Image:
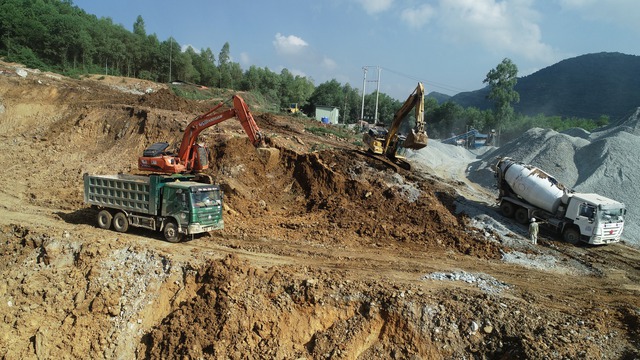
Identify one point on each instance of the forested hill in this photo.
(585, 86)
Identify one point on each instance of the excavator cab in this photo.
(397, 149)
(201, 158)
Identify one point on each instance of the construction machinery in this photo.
(528, 192)
(389, 142)
(177, 204)
(471, 139)
(193, 157)
(292, 109)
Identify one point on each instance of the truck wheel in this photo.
(507, 209)
(522, 215)
(571, 235)
(104, 219)
(171, 233)
(120, 222)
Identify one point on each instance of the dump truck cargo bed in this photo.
(126, 192)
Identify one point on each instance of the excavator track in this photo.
(394, 165)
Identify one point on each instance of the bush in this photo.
(26, 57)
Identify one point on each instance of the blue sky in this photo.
(450, 45)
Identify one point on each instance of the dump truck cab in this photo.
(194, 207)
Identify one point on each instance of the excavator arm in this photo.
(191, 157)
(417, 139)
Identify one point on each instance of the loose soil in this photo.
(326, 253)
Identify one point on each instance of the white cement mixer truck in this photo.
(528, 192)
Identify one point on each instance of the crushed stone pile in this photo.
(603, 162)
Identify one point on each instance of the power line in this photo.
(431, 83)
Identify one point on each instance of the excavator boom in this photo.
(191, 157)
(417, 138)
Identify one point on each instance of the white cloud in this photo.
(289, 45)
(185, 47)
(625, 13)
(245, 59)
(501, 26)
(298, 54)
(373, 7)
(329, 64)
(577, 3)
(419, 16)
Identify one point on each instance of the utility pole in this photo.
(364, 82)
(170, 53)
(378, 92)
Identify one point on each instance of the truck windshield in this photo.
(205, 198)
(611, 215)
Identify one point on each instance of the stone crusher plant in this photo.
(528, 192)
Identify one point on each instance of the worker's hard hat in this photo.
(533, 219)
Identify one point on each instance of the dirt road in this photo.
(324, 255)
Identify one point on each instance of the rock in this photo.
(488, 329)
(474, 327)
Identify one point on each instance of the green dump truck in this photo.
(177, 205)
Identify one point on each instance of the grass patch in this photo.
(325, 130)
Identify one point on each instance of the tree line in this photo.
(56, 35)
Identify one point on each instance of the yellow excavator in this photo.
(390, 143)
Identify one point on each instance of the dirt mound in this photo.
(280, 314)
(165, 99)
(342, 196)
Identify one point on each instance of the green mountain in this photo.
(586, 86)
(440, 97)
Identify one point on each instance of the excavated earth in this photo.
(326, 253)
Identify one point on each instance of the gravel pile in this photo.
(486, 283)
(603, 162)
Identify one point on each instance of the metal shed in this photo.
(331, 113)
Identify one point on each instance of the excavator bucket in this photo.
(416, 140)
(270, 157)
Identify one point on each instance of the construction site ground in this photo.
(326, 253)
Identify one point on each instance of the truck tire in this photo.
(171, 233)
(571, 235)
(104, 219)
(522, 215)
(508, 209)
(120, 222)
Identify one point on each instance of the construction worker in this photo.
(533, 231)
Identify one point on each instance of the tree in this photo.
(205, 65)
(387, 107)
(502, 81)
(138, 27)
(224, 67)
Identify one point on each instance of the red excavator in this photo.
(192, 157)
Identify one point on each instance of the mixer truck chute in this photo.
(528, 192)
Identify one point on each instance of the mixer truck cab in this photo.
(600, 220)
(528, 192)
